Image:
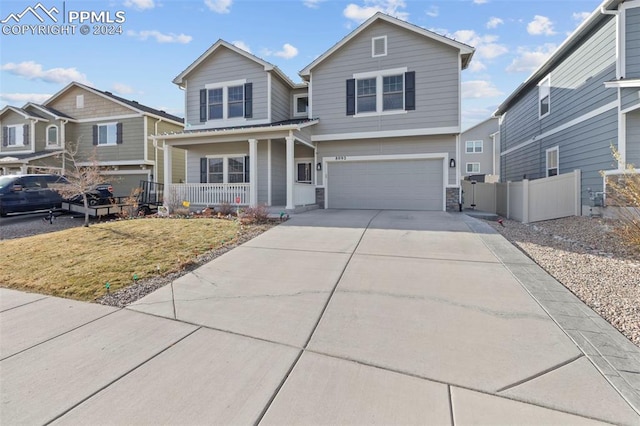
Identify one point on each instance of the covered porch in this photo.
(270, 164)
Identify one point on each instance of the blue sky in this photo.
(160, 38)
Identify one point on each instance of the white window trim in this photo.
(373, 46)
(546, 160)
(295, 105)
(305, 161)
(378, 75)
(466, 167)
(225, 166)
(19, 135)
(544, 90)
(115, 142)
(57, 142)
(473, 147)
(225, 85)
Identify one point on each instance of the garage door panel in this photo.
(388, 184)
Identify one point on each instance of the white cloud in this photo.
(479, 89)
(160, 37)
(579, 17)
(494, 22)
(23, 98)
(34, 71)
(219, 6)
(480, 1)
(530, 60)
(312, 4)
(486, 45)
(242, 45)
(122, 89)
(140, 4)
(362, 13)
(476, 65)
(541, 25)
(287, 52)
(433, 11)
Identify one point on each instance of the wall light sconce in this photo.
(319, 166)
(452, 163)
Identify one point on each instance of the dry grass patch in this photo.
(77, 263)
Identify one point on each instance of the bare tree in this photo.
(80, 178)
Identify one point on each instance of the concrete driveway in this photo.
(334, 317)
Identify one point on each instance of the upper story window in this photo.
(107, 134)
(553, 161)
(473, 147)
(379, 46)
(16, 135)
(301, 105)
(232, 99)
(52, 135)
(544, 97)
(364, 96)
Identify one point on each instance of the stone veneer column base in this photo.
(320, 197)
(453, 199)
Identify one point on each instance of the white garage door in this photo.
(389, 184)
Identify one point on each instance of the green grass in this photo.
(77, 263)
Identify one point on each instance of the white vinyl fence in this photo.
(528, 200)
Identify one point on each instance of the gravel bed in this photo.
(130, 294)
(588, 258)
(33, 224)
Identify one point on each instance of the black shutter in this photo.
(95, 134)
(5, 136)
(203, 170)
(203, 105)
(410, 90)
(247, 164)
(119, 139)
(248, 100)
(351, 96)
(25, 134)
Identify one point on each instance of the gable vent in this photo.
(379, 46)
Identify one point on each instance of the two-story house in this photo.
(115, 129)
(480, 151)
(582, 101)
(374, 125)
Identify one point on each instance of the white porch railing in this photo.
(209, 194)
(304, 194)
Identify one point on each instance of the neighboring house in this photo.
(582, 101)
(375, 124)
(116, 129)
(480, 151)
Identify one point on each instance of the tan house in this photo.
(118, 130)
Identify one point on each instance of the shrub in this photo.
(257, 214)
(225, 209)
(130, 207)
(623, 191)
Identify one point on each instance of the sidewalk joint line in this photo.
(24, 304)
(542, 373)
(453, 420)
(126, 373)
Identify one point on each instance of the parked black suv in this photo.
(23, 193)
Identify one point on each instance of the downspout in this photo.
(155, 150)
(63, 143)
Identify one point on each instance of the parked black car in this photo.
(24, 193)
(100, 195)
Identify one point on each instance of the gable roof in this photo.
(47, 110)
(465, 50)
(179, 80)
(596, 17)
(133, 105)
(24, 113)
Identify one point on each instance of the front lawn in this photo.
(77, 263)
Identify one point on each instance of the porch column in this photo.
(290, 177)
(253, 172)
(167, 169)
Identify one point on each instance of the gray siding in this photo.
(390, 146)
(481, 132)
(586, 146)
(278, 173)
(263, 172)
(280, 100)
(437, 82)
(630, 97)
(226, 65)
(576, 88)
(633, 138)
(633, 43)
(131, 149)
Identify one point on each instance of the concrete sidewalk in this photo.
(334, 317)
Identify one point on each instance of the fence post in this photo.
(525, 201)
(578, 177)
